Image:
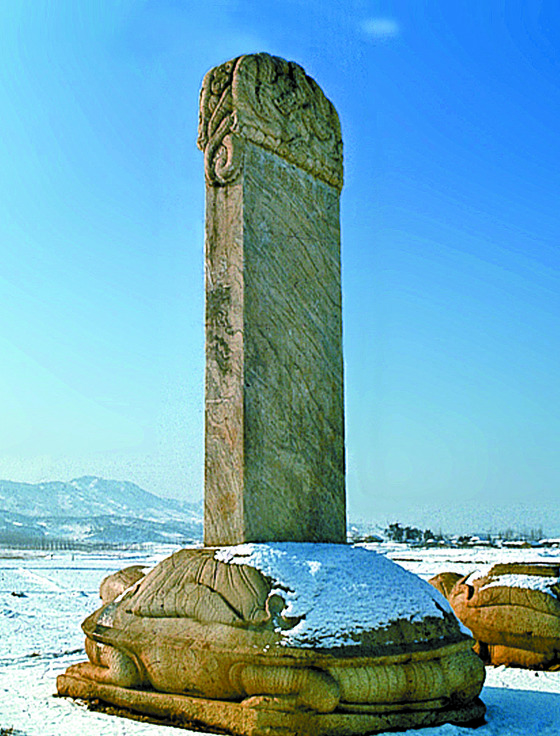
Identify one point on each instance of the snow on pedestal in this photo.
(337, 591)
(319, 638)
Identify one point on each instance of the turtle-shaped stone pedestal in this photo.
(277, 639)
(513, 612)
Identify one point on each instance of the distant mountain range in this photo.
(93, 510)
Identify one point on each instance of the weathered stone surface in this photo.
(198, 627)
(244, 720)
(274, 467)
(513, 612)
(272, 103)
(445, 581)
(113, 585)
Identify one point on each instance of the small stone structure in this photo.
(289, 630)
(513, 612)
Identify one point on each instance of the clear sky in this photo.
(450, 114)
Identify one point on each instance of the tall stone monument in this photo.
(274, 467)
(287, 630)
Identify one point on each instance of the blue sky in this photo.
(450, 236)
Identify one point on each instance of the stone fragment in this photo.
(513, 612)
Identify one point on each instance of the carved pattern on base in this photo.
(198, 626)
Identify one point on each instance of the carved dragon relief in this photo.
(273, 104)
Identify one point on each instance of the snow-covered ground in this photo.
(44, 597)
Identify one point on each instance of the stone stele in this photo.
(289, 631)
(274, 459)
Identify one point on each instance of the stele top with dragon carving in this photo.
(273, 104)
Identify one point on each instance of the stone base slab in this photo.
(242, 720)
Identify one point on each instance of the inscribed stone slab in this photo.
(274, 457)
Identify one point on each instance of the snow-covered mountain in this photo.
(91, 509)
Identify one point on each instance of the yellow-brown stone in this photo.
(206, 630)
(513, 612)
(241, 720)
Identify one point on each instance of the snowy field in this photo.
(44, 597)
